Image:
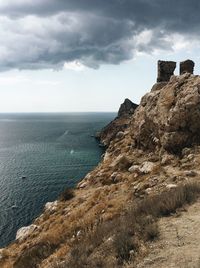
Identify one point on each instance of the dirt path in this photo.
(179, 242)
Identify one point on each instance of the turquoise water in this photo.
(53, 151)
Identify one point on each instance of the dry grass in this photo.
(139, 223)
(168, 202)
(114, 237)
(33, 256)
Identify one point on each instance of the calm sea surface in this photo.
(53, 151)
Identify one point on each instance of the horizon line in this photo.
(59, 112)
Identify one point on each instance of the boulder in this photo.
(120, 135)
(2, 250)
(82, 184)
(171, 186)
(51, 206)
(147, 167)
(23, 232)
(134, 168)
(121, 162)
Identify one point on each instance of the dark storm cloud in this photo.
(45, 34)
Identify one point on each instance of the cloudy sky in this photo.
(88, 55)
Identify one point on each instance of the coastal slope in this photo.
(116, 215)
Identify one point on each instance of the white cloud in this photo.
(74, 66)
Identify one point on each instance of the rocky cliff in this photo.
(119, 124)
(115, 216)
(168, 117)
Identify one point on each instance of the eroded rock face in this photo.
(119, 124)
(127, 108)
(169, 118)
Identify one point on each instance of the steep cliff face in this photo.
(153, 153)
(169, 117)
(119, 124)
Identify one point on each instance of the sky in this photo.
(89, 55)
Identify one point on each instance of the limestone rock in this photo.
(121, 162)
(106, 156)
(186, 151)
(147, 167)
(119, 124)
(158, 86)
(190, 157)
(2, 250)
(120, 135)
(23, 232)
(127, 107)
(134, 168)
(169, 118)
(51, 206)
(166, 159)
(82, 184)
(171, 186)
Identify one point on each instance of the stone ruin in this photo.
(166, 69)
(187, 67)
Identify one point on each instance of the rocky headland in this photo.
(137, 207)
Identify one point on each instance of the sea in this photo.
(40, 156)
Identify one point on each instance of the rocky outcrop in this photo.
(127, 108)
(119, 124)
(23, 232)
(51, 206)
(169, 118)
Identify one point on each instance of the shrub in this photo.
(32, 256)
(123, 244)
(67, 194)
(151, 231)
(168, 202)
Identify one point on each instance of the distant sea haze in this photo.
(51, 152)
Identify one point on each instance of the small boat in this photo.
(23, 177)
(72, 151)
(14, 206)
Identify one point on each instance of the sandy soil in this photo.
(179, 242)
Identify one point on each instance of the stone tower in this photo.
(165, 70)
(187, 66)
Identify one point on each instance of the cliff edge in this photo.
(119, 124)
